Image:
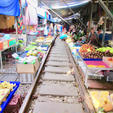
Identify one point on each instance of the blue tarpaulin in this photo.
(10, 7)
(63, 36)
(41, 16)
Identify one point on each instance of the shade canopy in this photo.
(10, 7)
(56, 4)
(62, 7)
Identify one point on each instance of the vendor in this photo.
(64, 35)
(93, 38)
(46, 30)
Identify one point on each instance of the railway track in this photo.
(57, 87)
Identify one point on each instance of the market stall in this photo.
(95, 67)
(28, 62)
(8, 14)
(6, 42)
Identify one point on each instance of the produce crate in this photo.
(27, 68)
(4, 104)
(27, 72)
(26, 78)
(11, 42)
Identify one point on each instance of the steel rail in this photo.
(28, 96)
(77, 78)
(87, 103)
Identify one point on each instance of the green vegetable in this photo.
(25, 62)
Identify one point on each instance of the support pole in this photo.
(81, 22)
(108, 12)
(16, 32)
(104, 30)
(105, 21)
(91, 13)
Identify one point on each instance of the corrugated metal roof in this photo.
(62, 6)
(56, 4)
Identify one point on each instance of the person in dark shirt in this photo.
(93, 38)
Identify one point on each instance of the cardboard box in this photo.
(28, 68)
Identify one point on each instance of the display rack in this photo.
(27, 77)
(88, 70)
(1, 62)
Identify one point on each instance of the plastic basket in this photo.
(4, 104)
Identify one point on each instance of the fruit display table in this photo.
(29, 61)
(94, 66)
(7, 90)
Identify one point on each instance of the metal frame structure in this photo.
(105, 24)
(107, 11)
(74, 13)
(1, 62)
(55, 13)
(105, 8)
(91, 15)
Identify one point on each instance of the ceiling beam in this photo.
(56, 13)
(96, 1)
(105, 8)
(74, 13)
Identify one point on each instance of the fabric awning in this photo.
(10, 7)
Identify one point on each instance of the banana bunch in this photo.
(7, 85)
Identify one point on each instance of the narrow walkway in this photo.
(58, 92)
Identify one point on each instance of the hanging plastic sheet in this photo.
(30, 17)
(10, 7)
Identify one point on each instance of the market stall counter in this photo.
(94, 66)
(6, 42)
(29, 61)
